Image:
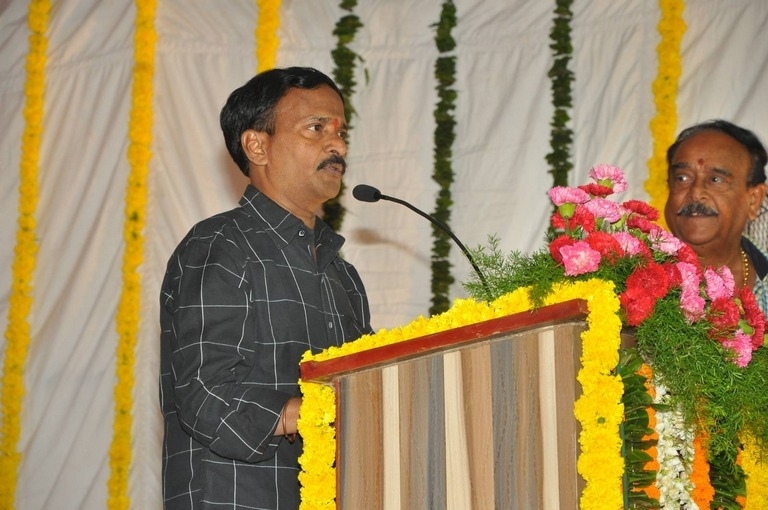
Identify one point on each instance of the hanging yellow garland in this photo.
(128, 313)
(17, 331)
(599, 409)
(267, 41)
(664, 124)
(756, 468)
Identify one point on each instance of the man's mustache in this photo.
(696, 209)
(334, 160)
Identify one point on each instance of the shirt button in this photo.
(301, 233)
(330, 325)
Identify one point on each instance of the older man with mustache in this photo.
(716, 184)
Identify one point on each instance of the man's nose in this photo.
(337, 146)
(698, 190)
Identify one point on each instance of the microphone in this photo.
(366, 193)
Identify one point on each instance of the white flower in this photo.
(675, 457)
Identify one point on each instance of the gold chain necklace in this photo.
(744, 267)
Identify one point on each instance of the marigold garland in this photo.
(267, 40)
(703, 492)
(663, 125)
(17, 331)
(128, 312)
(756, 467)
(599, 409)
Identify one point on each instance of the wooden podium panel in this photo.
(479, 417)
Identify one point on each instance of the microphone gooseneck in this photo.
(366, 193)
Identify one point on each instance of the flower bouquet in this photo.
(699, 336)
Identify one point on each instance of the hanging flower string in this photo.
(561, 135)
(703, 492)
(344, 58)
(652, 437)
(443, 175)
(267, 41)
(128, 312)
(754, 463)
(17, 331)
(663, 125)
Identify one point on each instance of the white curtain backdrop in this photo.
(204, 50)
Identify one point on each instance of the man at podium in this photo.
(247, 292)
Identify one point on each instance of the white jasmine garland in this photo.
(675, 456)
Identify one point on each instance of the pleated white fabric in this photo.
(206, 49)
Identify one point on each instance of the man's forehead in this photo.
(321, 103)
(711, 146)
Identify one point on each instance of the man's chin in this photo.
(696, 237)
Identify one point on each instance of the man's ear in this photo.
(254, 146)
(756, 196)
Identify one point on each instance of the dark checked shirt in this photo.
(244, 296)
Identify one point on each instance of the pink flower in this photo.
(563, 195)
(686, 254)
(690, 299)
(605, 209)
(579, 258)
(610, 176)
(719, 283)
(629, 243)
(741, 346)
(663, 241)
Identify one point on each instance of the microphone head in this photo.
(366, 193)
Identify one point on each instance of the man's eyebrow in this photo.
(722, 171)
(326, 120)
(679, 165)
(683, 165)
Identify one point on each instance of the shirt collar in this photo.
(283, 226)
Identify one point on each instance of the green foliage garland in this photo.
(445, 74)
(635, 432)
(561, 136)
(344, 75)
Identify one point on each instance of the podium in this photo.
(478, 417)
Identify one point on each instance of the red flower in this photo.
(605, 244)
(641, 223)
(637, 304)
(723, 316)
(581, 218)
(686, 254)
(556, 244)
(596, 190)
(673, 274)
(753, 315)
(644, 286)
(642, 208)
(557, 221)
